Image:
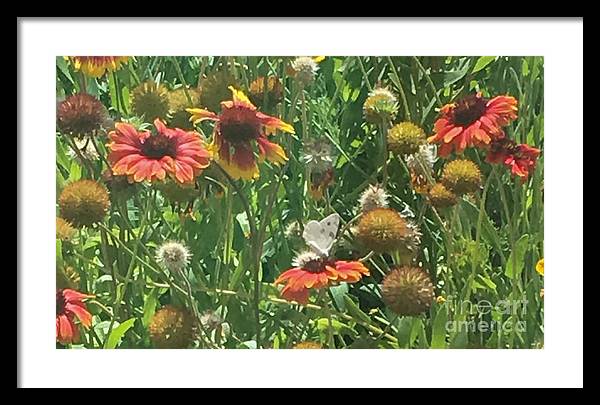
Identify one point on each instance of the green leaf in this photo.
(454, 76)
(438, 333)
(517, 257)
(482, 63)
(75, 172)
(404, 331)
(150, 306)
(355, 311)
(338, 327)
(339, 292)
(117, 333)
(59, 250)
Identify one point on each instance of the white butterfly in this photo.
(320, 235)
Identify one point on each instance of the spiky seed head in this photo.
(405, 138)
(408, 291)
(440, 197)
(171, 328)
(461, 176)
(84, 202)
(150, 101)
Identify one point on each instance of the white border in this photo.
(559, 364)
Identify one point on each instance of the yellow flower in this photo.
(539, 267)
(96, 66)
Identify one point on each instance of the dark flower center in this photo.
(469, 109)
(504, 145)
(158, 146)
(318, 265)
(239, 125)
(60, 303)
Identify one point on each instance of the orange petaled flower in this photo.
(240, 129)
(142, 155)
(313, 271)
(521, 158)
(69, 305)
(472, 121)
(96, 66)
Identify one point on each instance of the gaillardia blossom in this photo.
(520, 159)
(472, 121)
(239, 130)
(142, 155)
(313, 271)
(96, 66)
(69, 305)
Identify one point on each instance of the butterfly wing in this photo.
(321, 235)
(314, 236)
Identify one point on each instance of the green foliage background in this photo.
(484, 255)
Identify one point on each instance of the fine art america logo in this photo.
(485, 316)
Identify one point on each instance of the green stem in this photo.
(182, 80)
(364, 72)
(429, 82)
(120, 294)
(400, 89)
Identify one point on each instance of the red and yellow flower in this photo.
(520, 158)
(313, 271)
(472, 121)
(240, 135)
(69, 306)
(96, 66)
(142, 155)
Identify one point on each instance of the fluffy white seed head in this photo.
(373, 197)
(173, 255)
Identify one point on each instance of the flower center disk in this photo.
(469, 110)
(158, 146)
(239, 125)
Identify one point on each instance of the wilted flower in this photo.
(80, 114)
(520, 159)
(408, 291)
